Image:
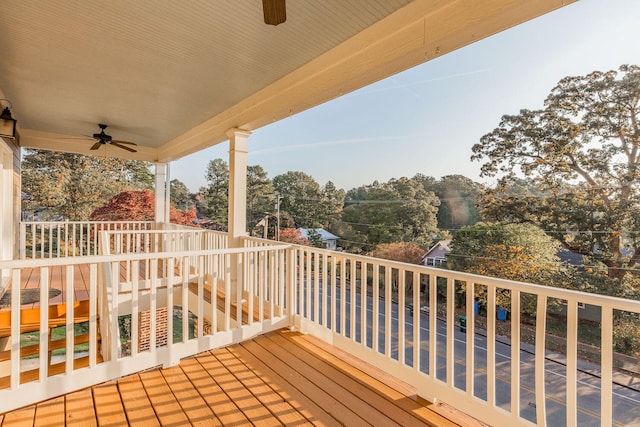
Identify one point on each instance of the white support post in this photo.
(10, 211)
(237, 222)
(237, 185)
(162, 187)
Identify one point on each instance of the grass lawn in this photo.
(33, 338)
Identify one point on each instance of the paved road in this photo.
(626, 400)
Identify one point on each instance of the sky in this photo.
(426, 119)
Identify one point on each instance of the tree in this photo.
(291, 235)
(403, 252)
(399, 251)
(180, 195)
(215, 194)
(398, 211)
(138, 206)
(305, 201)
(332, 203)
(583, 151)
(71, 186)
(520, 252)
(260, 195)
(315, 238)
(459, 200)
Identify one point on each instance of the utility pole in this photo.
(278, 198)
(266, 226)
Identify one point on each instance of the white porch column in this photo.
(10, 206)
(237, 185)
(162, 187)
(237, 221)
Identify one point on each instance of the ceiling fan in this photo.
(102, 139)
(275, 11)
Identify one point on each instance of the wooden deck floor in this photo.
(282, 378)
(30, 279)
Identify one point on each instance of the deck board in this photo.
(243, 398)
(79, 409)
(223, 406)
(50, 413)
(108, 405)
(162, 400)
(279, 407)
(382, 383)
(20, 418)
(360, 391)
(330, 403)
(324, 377)
(57, 281)
(136, 401)
(281, 378)
(313, 411)
(193, 405)
(30, 279)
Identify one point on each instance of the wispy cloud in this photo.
(421, 82)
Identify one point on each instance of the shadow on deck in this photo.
(281, 378)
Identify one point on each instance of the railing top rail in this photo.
(551, 292)
(86, 222)
(136, 256)
(271, 242)
(194, 230)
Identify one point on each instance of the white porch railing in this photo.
(186, 283)
(365, 306)
(55, 239)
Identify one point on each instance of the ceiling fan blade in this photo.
(96, 145)
(275, 11)
(124, 142)
(124, 147)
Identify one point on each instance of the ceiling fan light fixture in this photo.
(275, 11)
(103, 139)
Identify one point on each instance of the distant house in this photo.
(329, 241)
(437, 255)
(571, 259)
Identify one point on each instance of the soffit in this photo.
(175, 76)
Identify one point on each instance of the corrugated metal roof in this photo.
(324, 234)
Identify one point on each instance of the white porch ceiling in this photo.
(173, 77)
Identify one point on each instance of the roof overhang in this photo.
(176, 80)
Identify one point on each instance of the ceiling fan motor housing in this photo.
(102, 137)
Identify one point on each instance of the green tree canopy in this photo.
(459, 200)
(260, 195)
(69, 185)
(521, 252)
(306, 202)
(180, 195)
(215, 195)
(398, 211)
(582, 151)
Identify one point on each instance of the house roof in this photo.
(175, 80)
(440, 248)
(324, 234)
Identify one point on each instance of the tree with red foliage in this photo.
(399, 251)
(403, 252)
(138, 206)
(291, 235)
